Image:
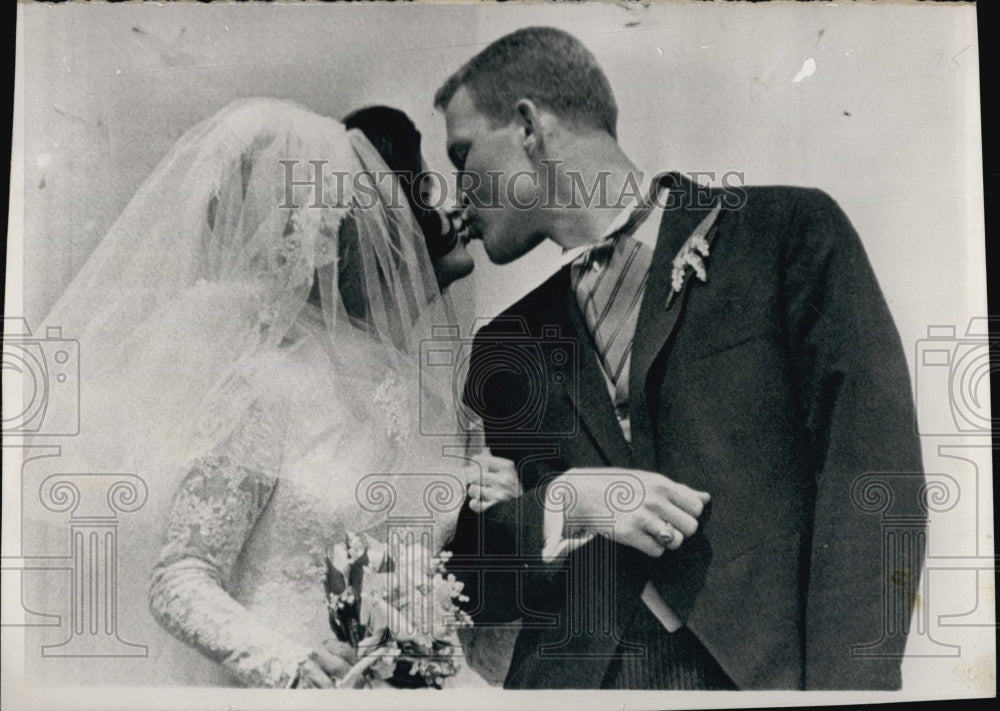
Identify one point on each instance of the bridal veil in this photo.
(270, 262)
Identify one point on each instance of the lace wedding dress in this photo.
(240, 575)
(251, 348)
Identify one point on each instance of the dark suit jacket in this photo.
(776, 386)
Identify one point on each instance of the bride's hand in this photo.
(325, 665)
(493, 481)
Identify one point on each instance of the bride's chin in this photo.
(455, 265)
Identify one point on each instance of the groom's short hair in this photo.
(546, 65)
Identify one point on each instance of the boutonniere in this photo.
(691, 256)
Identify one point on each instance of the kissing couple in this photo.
(677, 512)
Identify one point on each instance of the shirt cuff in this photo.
(556, 544)
(661, 611)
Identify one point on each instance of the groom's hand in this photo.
(491, 480)
(644, 510)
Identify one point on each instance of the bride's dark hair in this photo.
(397, 140)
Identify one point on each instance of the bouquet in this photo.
(398, 611)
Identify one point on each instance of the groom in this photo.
(691, 402)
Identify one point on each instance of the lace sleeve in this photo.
(214, 511)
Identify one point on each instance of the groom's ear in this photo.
(527, 116)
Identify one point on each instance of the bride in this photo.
(256, 315)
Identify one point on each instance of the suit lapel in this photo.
(583, 386)
(657, 321)
(586, 389)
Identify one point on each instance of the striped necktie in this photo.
(609, 280)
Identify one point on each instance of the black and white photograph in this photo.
(450, 355)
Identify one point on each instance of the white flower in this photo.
(677, 275)
(698, 242)
(699, 266)
(408, 612)
(692, 254)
